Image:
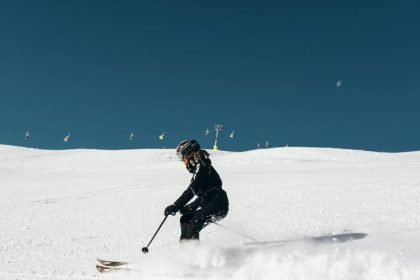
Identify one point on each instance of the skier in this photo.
(211, 203)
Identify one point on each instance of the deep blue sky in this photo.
(266, 69)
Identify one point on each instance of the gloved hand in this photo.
(171, 210)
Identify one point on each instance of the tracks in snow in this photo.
(91, 194)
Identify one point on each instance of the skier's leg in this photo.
(192, 223)
(184, 222)
(202, 217)
(193, 227)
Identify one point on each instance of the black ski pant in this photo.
(214, 210)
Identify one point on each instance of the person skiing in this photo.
(211, 203)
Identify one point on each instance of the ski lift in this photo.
(27, 135)
(131, 137)
(162, 136)
(218, 128)
(207, 132)
(67, 138)
(232, 134)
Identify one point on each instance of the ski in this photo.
(104, 266)
(104, 269)
(110, 263)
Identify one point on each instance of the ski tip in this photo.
(110, 262)
(101, 268)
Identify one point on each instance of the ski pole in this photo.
(234, 231)
(146, 249)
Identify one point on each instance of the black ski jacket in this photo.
(205, 184)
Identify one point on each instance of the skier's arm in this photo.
(184, 198)
(199, 178)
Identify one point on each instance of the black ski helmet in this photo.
(186, 148)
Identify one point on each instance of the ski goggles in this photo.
(180, 155)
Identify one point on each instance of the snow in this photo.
(60, 210)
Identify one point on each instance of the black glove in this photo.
(171, 210)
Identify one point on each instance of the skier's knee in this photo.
(190, 230)
(186, 218)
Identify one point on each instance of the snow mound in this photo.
(60, 210)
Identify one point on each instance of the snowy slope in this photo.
(62, 209)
